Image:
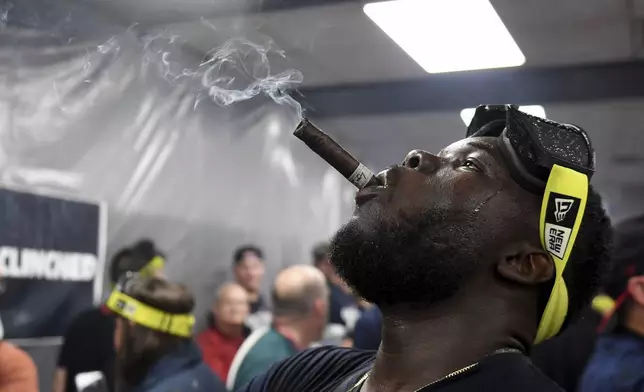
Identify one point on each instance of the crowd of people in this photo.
(490, 266)
(244, 335)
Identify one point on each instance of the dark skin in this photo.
(498, 307)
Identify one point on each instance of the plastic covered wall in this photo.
(118, 117)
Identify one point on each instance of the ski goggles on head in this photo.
(131, 309)
(152, 267)
(550, 159)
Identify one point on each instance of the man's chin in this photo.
(404, 260)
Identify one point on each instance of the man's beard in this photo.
(414, 259)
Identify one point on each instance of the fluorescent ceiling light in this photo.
(448, 35)
(535, 110)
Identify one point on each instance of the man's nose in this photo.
(421, 161)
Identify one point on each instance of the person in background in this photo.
(344, 308)
(368, 330)
(87, 344)
(152, 338)
(17, 370)
(617, 365)
(300, 309)
(226, 332)
(564, 358)
(249, 272)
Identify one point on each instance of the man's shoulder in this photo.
(513, 372)
(89, 317)
(17, 369)
(330, 357)
(312, 369)
(197, 379)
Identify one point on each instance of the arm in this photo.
(60, 380)
(17, 370)
(252, 368)
(65, 357)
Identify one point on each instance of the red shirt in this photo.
(218, 350)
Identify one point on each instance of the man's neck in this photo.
(252, 296)
(296, 332)
(420, 348)
(229, 330)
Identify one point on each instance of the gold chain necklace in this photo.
(462, 370)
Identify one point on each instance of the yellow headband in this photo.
(152, 267)
(147, 316)
(562, 211)
(603, 304)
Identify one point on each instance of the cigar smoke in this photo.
(336, 156)
(236, 71)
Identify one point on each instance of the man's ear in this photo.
(525, 264)
(636, 289)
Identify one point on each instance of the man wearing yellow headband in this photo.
(153, 338)
(88, 340)
(469, 255)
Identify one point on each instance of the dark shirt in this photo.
(617, 364)
(257, 306)
(181, 371)
(338, 300)
(368, 330)
(88, 346)
(336, 369)
(218, 350)
(564, 357)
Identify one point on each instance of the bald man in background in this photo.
(300, 313)
(226, 330)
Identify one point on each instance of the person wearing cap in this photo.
(617, 365)
(472, 255)
(88, 341)
(153, 338)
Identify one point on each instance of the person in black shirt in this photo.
(88, 344)
(449, 248)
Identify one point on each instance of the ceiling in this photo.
(337, 44)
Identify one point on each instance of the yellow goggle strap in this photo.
(152, 267)
(142, 314)
(562, 210)
(603, 304)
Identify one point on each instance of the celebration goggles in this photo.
(131, 309)
(150, 269)
(550, 159)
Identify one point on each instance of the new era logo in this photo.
(562, 206)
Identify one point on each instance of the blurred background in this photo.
(171, 114)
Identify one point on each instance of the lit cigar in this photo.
(336, 156)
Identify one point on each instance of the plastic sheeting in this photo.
(133, 121)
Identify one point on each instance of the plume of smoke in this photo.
(234, 72)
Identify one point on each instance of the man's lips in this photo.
(368, 193)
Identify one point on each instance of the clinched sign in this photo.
(51, 252)
(562, 210)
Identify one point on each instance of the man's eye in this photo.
(470, 164)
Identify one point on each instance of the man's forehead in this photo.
(487, 144)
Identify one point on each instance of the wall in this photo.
(114, 118)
